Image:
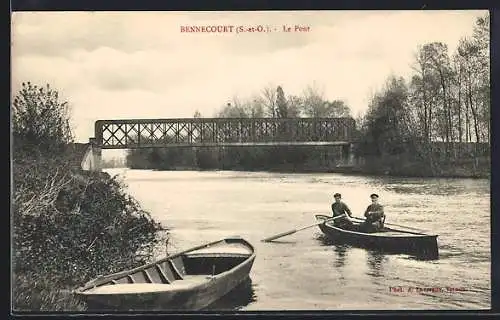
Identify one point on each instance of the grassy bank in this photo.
(407, 166)
(69, 227)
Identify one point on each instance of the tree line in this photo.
(439, 118)
(436, 122)
(271, 102)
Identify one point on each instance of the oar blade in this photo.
(279, 235)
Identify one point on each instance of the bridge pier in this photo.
(348, 155)
(351, 159)
(92, 160)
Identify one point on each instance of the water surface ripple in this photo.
(304, 271)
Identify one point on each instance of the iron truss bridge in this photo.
(191, 132)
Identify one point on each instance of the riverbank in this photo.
(69, 227)
(449, 172)
(311, 160)
(407, 166)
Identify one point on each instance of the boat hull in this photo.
(206, 288)
(419, 245)
(195, 299)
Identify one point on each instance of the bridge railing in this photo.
(139, 133)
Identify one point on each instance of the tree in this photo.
(314, 102)
(437, 53)
(295, 105)
(426, 84)
(481, 38)
(233, 110)
(385, 129)
(40, 122)
(268, 100)
(281, 103)
(337, 109)
(471, 63)
(253, 107)
(316, 106)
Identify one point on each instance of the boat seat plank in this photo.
(148, 276)
(122, 280)
(162, 275)
(153, 275)
(228, 249)
(139, 277)
(178, 264)
(178, 273)
(386, 233)
(130, 278)
(168, 271)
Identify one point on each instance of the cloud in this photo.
(59, 34)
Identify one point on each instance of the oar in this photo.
(392, 224)
(297, 230)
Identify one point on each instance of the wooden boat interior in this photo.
(183, 269)
(386, 231)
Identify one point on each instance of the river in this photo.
(304, 272)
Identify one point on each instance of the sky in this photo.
(119, 65)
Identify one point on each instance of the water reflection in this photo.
(340, 255)
(375, 261)
(424, 257)
(375, 255)
(239, 297)
(324, 240)
(340, 251)
(429, 186)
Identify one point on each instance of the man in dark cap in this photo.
(340, 208)
(374, 215)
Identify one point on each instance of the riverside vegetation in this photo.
(435, 123)
(69, 226)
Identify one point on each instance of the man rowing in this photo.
(374, 215)
(339, 208)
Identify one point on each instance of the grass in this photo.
(69, 227)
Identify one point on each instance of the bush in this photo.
(69, 226)
(40, 122)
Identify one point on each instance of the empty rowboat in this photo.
(189, 280)
(388, 240)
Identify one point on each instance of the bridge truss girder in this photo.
(190, 132)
